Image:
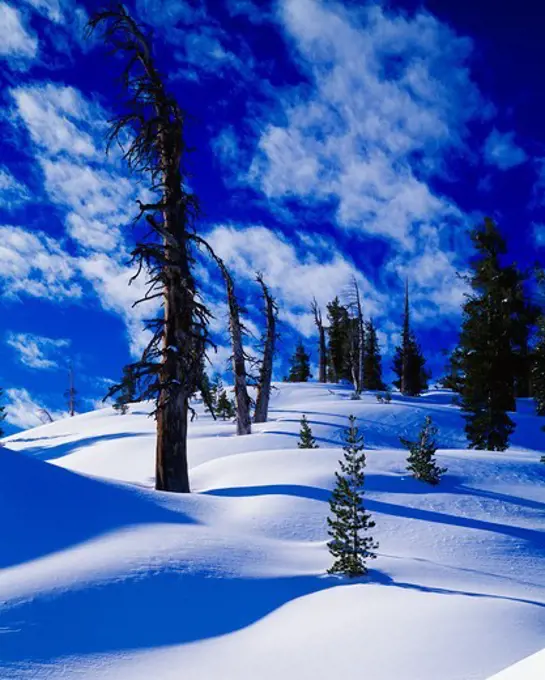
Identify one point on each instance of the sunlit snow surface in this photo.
(102, 577)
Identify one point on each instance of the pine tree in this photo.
(339, 333)
(538, 355)
(538, 369)
(349, 545)
(372, 361)
(225, 407)
(488, 342)
(453, 378)
(306, 439)
(127, 392)
(2, 413)
(421, 460)
(409, 362)
(299, 365)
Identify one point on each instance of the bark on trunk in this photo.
(242, 400)
(265, 374)
(322, 348)
(361, 340)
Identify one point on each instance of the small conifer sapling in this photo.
(225, 408)
(306, 439)
(348, 523)
(421, 460)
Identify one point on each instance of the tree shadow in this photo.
(379, 577)
(533, 536)
(51, 509)
(147, 610)
(61, 450)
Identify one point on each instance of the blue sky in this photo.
(331, 140)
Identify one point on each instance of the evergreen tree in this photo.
(306, 439)
(225, 407)
(372, 361)
(127, 392)
(339, 333)
(538, 356)
(2, 413)
(453, 378)
(348, 522)
(300, 365)
(421, 460)
(488, 342)
(409, 362)
(538, 369)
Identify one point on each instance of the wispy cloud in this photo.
(49, 8)
(17, 44)
(37, 351)
(318, 270)
(36, 265)
(12, 192)
(387, 96)
(501, 150)
(24, 411)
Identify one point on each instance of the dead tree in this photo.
(151, 134)
(71, 393)
(238, 358)
(269, 342)
(360, 335)
(322, 348)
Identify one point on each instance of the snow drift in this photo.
(102, 577)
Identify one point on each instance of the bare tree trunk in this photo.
(322, 348)
(361, 339)
(151, 134)
(71, 392)
(265, 374)
(238, 359)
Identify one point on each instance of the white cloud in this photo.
(24, 411)
(58, 118)
(110, 280)
(539, 234)
(96, 194)
(16, 43)
(321, 272)
(12, 192)
(36, 351)
(388, 96)
(501, 150)
(36, 265)
(50, 8)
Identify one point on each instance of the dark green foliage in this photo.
(2, 413)
(538, 369)
(538, 356)
(306, 440)
(421, 461)
(348, 521)
(453, 378)
(127, 392)
(384, 398)
(488, 342)
(372, 360)
(409, 362)
(340, 341)
(299, 365)
(224, 407)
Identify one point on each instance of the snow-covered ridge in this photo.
(102, 577)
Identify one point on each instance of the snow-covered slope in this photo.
(102, 577)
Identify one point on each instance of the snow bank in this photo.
(105, 578)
